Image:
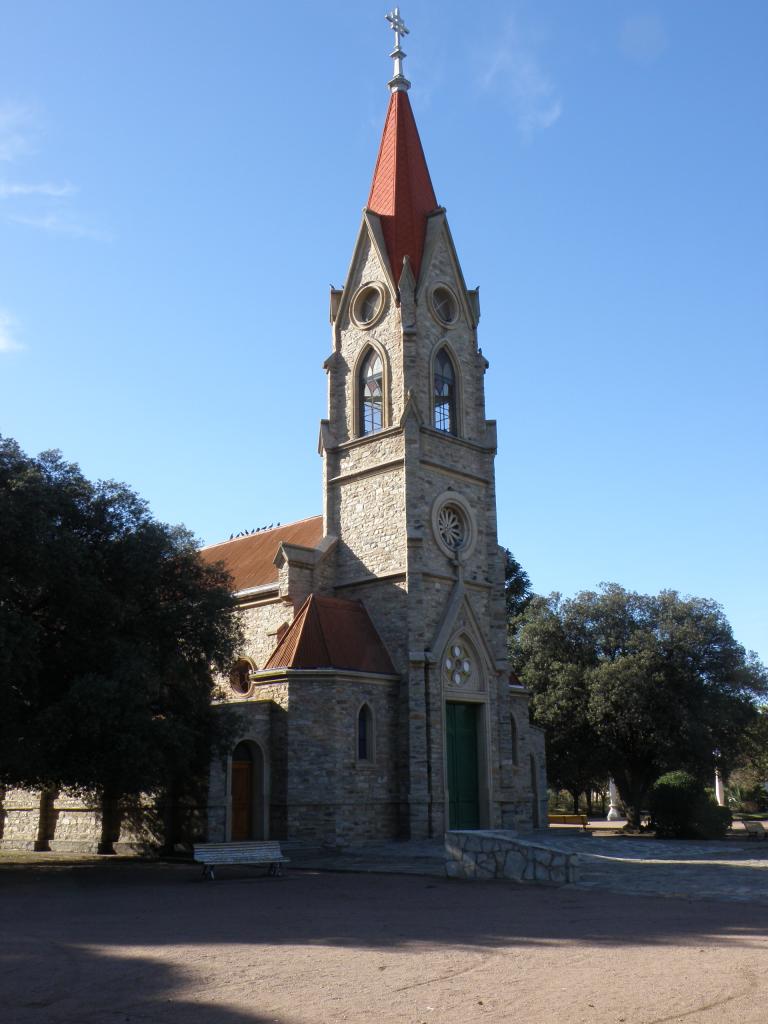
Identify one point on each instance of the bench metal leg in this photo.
(208, 872)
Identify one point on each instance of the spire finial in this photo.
(399, 83)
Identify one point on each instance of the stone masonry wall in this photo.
(261, 623)
(371, 511)
(498, 854)
(35, 820)
(20, 814)
(332, 797)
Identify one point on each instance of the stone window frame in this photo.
(474, 687)
(371, 345)
(458, 400)
(451, 497)
(370, 759)
(240, 660)
(357, 298)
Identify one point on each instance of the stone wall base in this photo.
(500, 854)
(73, 846)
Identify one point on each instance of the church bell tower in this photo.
(409, 494)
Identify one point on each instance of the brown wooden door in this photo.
(242, 800)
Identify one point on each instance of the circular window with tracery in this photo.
(367, 305)
(457, 666)
(444, 305)
(452, 527)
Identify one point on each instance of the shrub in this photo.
(682, 809)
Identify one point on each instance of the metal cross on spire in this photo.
(399, 83)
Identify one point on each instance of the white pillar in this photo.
(614, 814)
(719, 790)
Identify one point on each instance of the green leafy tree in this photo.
(111, 627)
(517, 586)
(661, 681)
(551, 654)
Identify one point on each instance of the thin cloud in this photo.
(16, 130)
(48, 198)
(10, 189)
(643, 38)
(514, 72)
(58, 225)
(8, 340)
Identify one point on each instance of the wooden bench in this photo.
(755, 829)
(569, 819)
(212, 855)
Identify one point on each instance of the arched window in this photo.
(365, 734)
(444, 393)
(515, 740)
(371, 390)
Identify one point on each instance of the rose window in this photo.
(451, 527)
(457, 665)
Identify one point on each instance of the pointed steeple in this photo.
(401, 191)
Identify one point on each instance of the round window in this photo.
(444, 305)
(452, 527)
(240, 676)
(367, 305)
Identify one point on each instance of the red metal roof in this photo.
(330, 632)
(401, 192)
(250, 560)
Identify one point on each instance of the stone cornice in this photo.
(380, 467)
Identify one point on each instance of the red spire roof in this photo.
(401, 192)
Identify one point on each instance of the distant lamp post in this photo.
(719, 789)
(614, 814)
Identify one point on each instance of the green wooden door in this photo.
(463, 799)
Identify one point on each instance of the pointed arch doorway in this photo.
(247, 792)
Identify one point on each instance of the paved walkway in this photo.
(733, 869)
(726, 870)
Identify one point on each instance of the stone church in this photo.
(373, 693)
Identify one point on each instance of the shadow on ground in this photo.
(79, 929)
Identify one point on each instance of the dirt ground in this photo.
(127, 941)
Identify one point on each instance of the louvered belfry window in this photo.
(371, 394)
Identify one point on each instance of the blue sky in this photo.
(181, 182)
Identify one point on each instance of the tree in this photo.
(111, 627)
(517, 586)
(659, 681)
(550, 656)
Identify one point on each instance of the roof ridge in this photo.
(260, 533)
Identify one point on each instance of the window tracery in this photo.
(371, 390)
(457, 666)
(444, 385)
